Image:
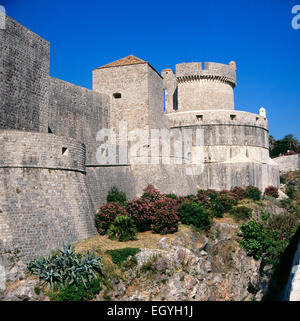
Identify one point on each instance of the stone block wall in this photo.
(208, 88)
(131, 82)
(78, 113)
(170, 87)
(24, 70)
(44, 196)
(227, 134)
(288, 163)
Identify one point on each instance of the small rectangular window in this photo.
(232, 117)
(117, 95)
(199, 117)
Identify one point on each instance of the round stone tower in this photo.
(235, 143)
(208, 87)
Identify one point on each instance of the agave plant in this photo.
(66, 267)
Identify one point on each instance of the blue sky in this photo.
(258, 35)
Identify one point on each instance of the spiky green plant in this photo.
(122, 229)
(66, 267)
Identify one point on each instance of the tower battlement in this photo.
(209, 70)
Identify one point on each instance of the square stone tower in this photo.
(135, 89)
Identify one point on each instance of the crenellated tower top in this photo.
(200, 86)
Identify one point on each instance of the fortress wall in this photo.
(225, 153)
(208, 68)
(24, 70)
(78, 113)
(131, 81)
(205, 94)
(212, 117)
(171, 90)
(227, 133)
(132, 179)
(205, 88)
(288, 163)
(222, 176)
(156, 107)
(40, 150)
(173, 178)
(44, 197)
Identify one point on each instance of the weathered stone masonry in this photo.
(50, 181)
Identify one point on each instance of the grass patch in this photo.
(120, 255)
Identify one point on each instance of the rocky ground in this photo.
(186, 265)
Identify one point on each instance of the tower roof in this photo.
(129, 60)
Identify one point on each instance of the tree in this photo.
(287, 143)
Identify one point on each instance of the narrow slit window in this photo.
(117, 95)
(50, 130)
(65, 151)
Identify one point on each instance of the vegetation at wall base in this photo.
(272, 191)
(253, 193)
(122, 229)
(106, 215)
(141, 211)
(116, 196)
(192, 213)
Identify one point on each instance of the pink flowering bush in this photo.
(152, 194)
(240, 192)
(217, 202)
(165, 219)
(142, 211)
(153, 211)
(106, 215)
(272, 191)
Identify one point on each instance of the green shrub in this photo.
(192, 213)
(120, 255)
(282, 180)
(66, 267)
(116, 196)
(106, 215)
(290, 191)
(122, 229)
(254, 238)
(77, 292)
(268, 239)
(253, 192)
(240, 213)
(173, 196)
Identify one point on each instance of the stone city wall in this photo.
(288, 163)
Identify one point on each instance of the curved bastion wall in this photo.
(205, 87)
(44, 197)
(235, 149)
